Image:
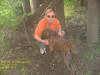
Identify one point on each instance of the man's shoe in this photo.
(42, 50)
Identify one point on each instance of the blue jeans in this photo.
(42, 45)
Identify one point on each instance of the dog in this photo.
(58, 43)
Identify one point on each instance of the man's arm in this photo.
(59, 27)
(40, 40)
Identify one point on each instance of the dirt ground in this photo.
(88, 63)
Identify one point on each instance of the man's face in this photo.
(50, 17)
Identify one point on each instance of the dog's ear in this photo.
(45, 33)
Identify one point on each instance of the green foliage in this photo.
(90, 56)
(69, 7)
(76, 19)
(93, 51)
(77, 24)
(89, 73)
(9, 19)
(8, 16)
(79, 17)
(99, 73)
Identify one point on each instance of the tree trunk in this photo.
(82, 2)
(93, 25)
(26, 6)
(99, 20)
(35, 4)
(60, 12)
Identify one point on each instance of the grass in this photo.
(93, 51)
(99, 73)
(89, 73)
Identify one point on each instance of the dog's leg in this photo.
(73, 52)
(51, 50)
(67, 61)
(52, 65)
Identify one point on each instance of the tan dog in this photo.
(58, 43)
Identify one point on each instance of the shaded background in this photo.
(80, 19)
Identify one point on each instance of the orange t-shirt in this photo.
(43, 24)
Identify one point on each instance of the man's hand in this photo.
(59, 33)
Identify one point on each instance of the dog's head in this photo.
(47, 33)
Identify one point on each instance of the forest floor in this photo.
(21, 60)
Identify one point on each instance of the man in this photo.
(49, 21)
